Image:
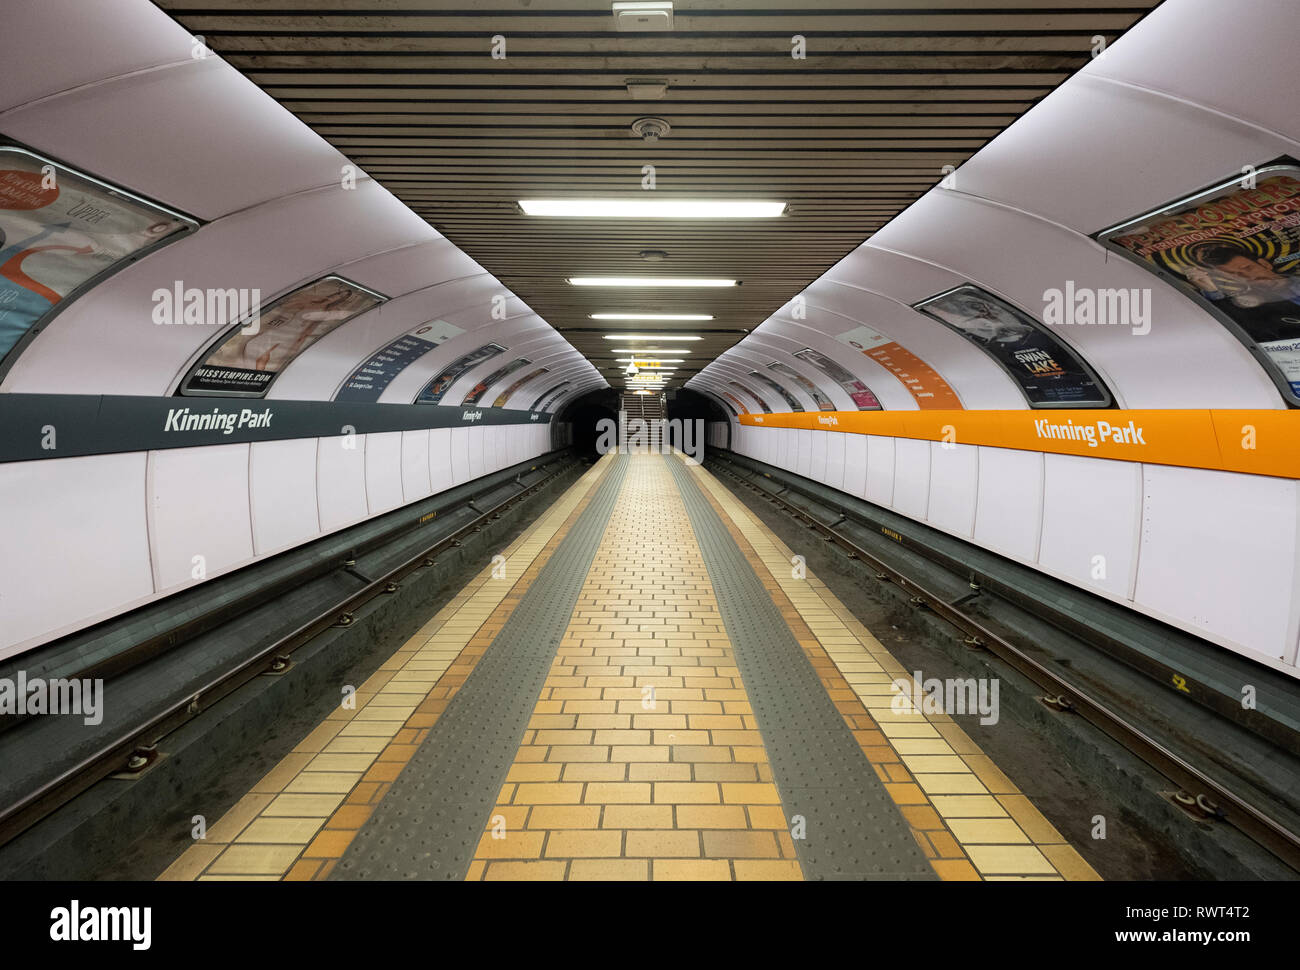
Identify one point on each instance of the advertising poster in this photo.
(1238, 248)
(761, 403)
(372, 378)
(544, 402)
(505, 395)
(245, 363)
(58, 230)
(482, 386)
(858, 392)
(790, 400)
(1048, 372)
(928, 389)
(433, 391)
(821, 400)
(739, 406)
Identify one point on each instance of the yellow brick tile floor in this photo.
(642, 759)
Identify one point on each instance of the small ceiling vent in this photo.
(643, 15)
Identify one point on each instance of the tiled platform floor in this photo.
(642, 758)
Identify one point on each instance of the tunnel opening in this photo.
(585, 413)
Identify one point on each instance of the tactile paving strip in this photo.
(430, 822)
(853, 830)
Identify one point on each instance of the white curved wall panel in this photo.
(282, 490)
(1009, 510)
(460, 455)
(804, 452)
(199, 519)
(954, 477)
(129, 37)
(230, 504)
(415, 466)
(834, 459)
(911, 477)
(1032, 162)
(228, 145)
(383, 472)
(341, 481)
(1151, 537)
(880, 470)
(440, 478)
(1219, 553)
(855, 465)
(102, 564)
(1091, 511)
(1173, 48)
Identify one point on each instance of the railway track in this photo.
(132, 747)
(938, 577)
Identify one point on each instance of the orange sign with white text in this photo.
(1254, 442)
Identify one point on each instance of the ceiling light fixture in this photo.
(666, 337)
(643, 15)
(648, 281)
(651, 208)
(650, 316)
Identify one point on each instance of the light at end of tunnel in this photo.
(651, 208)
(644, 281)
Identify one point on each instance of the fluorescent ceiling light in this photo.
(650, 316)
(664, 337)
(651, 208)
(662, 360)
(636, 281)
(643, 369)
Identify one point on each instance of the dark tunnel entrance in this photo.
(586, 413)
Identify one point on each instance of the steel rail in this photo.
(1257, 825)
(111, 757)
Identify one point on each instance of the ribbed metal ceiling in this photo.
(849, 135)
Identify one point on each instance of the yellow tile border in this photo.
(953, 778)
(356, 741)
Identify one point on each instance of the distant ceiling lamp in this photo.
(647, 88)
(650, 129)
(643, 15)
(647, 281)
(643, 208)
(650, 316)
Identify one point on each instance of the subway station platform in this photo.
(646, 684)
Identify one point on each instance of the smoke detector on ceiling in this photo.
(650, 129)
(653, 255)
(643, 15)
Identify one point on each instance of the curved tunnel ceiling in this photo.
(845, 112)
(147, 110)
(1133, 132)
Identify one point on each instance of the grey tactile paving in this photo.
(429, 824)
(853, 829)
